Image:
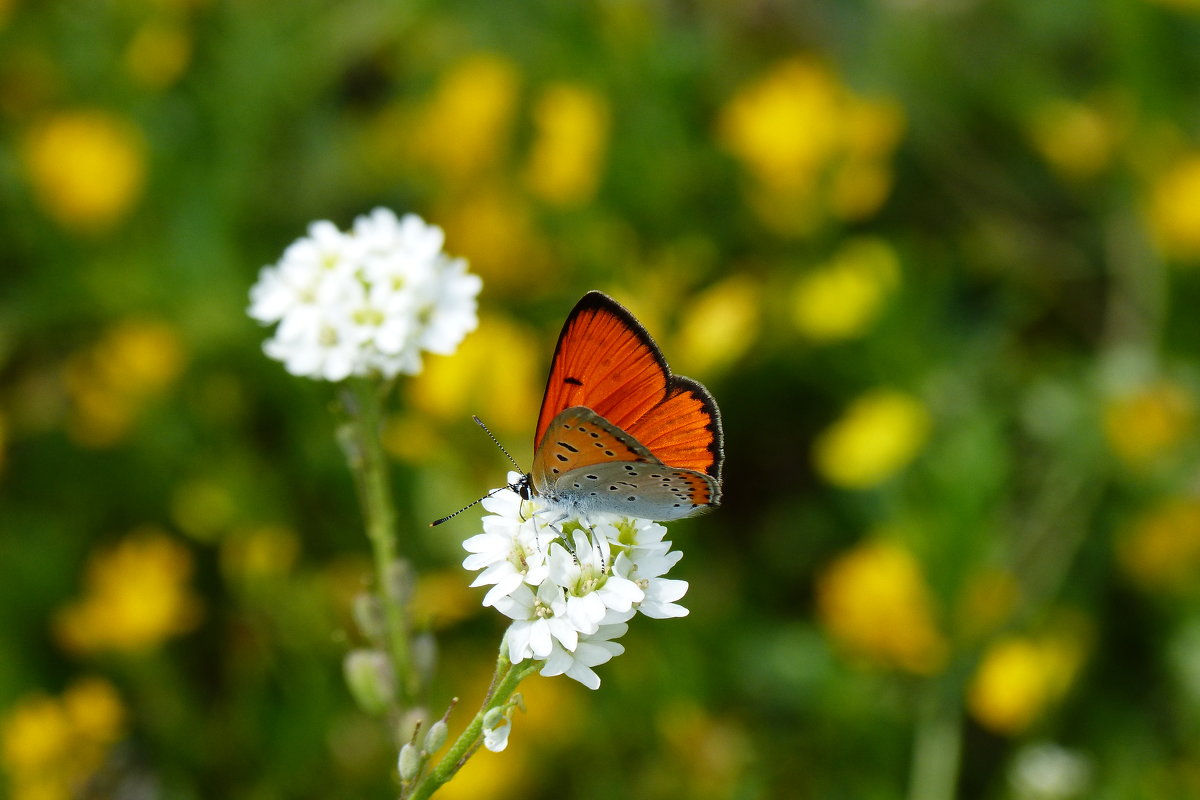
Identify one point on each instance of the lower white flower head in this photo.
(570, 586)
(368, 301)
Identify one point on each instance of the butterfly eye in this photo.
(523, 487)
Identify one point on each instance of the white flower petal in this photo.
(496, 739)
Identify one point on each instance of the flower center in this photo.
(368, 316)
(589, 582)
(328, 336)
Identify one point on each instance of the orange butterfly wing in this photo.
(606, 361)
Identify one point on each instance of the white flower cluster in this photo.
(568, 587)
(366, 301)
(1047, 771)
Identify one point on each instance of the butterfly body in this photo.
(619, 433)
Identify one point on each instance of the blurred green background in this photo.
(937, 260)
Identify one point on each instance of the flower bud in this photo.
(410, 723)
(371, 679)
(409, 763)
(493, 717)
(400, 582)
(436, 737)
(424, 655)
(368, 616)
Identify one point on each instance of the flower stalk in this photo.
(505, 680)
(362, 402)
(937, 746)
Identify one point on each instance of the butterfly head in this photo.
(523, 486)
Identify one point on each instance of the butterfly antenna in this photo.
(472, 504)
(491, 436)
(513, 487)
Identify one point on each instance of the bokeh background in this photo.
(937, 260)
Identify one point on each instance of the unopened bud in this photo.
(436, 737)
(409, 723)
(409, 763)
(424, 655)
(368, 616)
(493, 717)
(400, 582)
(371, 679)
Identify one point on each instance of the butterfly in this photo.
(617, 431)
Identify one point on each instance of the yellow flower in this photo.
(719, 325)
(110, 382)
(810, 145)
(785, 126)
(158, 55)
(493, 228)
(1143, 425)
(95, 710)
(87, 168)
(1161, 549)
(1018, 677)
(135, 596)
(50, 747)
(859, 188)
(863, 180)
(878, 435)
(494, 374)
(841, 299)
(1174, 208)
(37, 733)
(260, 552)
(202, 508)
(1076, 139)
(466, 126)
(875, 604)
(441, 599)
(571, 125)
(872, 127)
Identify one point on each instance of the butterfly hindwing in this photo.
(643, 489)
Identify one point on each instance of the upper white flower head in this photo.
(366, 301)
(570, 586)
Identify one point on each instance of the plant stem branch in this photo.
(937, 746)
(504, 682)
(363, 407)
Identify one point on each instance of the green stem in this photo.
(504, 682)
(363, 406)
(937, 746)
